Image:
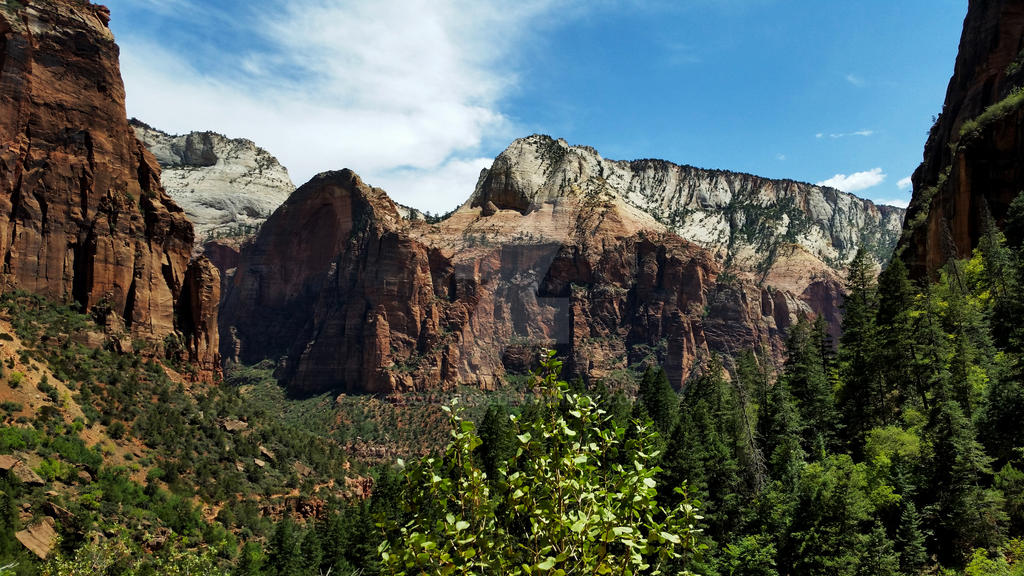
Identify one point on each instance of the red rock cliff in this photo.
(346, 295)
(974, 159)
(82, 214)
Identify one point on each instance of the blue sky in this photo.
(418, 95)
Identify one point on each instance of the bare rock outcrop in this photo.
(40, 538)
(972, 167)
(82, 214)
(348, 295)
(227, 186)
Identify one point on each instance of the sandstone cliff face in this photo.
(82, 213)
(330, 279)
(353, 297)
(556, 248)
(741, 218)
(972, 165)
(787, 237)
(226, 186)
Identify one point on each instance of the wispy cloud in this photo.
(856, 181)
(855, 80)
(897, 202)
(837, 135)
(403, 91)
(904, 183)
(780, 157)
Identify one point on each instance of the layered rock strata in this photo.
(82, 214)
(973, 164)
(556, 248)
(227, 187)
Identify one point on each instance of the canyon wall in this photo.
(614, 264)
(973, 164)
(83, 216)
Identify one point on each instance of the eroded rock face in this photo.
(972, 166)
(739, 217)
(348, 295)
(227, 187)
(335, 286)
(82, 213)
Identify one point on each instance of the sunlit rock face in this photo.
(82, 214)
(973, 163)
(227, 187)
(614, 264)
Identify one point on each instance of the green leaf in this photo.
(670, 537)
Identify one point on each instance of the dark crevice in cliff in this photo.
(81, 283)
(129, 305)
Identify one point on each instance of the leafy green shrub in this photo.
(578, 497)
(122, 556)
(15, 379)
(18, 439)
(994, 112)
(52, 470)
(51, 392)
(74, 450)
(117, 430)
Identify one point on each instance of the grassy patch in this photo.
(973, 128)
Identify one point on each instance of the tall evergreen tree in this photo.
(961, 513)
(703, 450)
(896, 299)
(312, 553)
(781, 428)
(806, 378)
(284, 556)
(910, 541)
(499, 441)
(250, 560)
(862, 401)
(658, 400)
(827, 534)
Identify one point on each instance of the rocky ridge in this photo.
(741, 218)
(972, 166)
(82, 214)
(227, 187)
(556, 248)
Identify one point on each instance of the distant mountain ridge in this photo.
(615, 264)
(227, 186)
(740, 217)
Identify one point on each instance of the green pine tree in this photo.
(806, 379)
(862, 401)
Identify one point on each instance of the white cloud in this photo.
(404, 92)
(904, 183)
(897, 202)
(855, 80)
(856, 181)
(780, 157)
(437, 189)
(837, 135)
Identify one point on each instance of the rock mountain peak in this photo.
(737, 216)
(227, 186)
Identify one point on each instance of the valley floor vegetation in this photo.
(895, 451)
